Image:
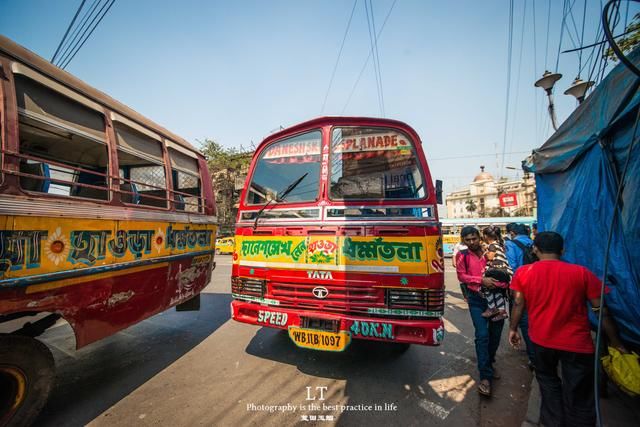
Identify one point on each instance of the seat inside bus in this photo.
(32, 183)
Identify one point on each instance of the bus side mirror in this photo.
(439, 191)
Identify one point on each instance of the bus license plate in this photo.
(320, 340)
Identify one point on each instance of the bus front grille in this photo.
(338, 298)
(424, 299)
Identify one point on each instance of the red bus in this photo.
(106, 218)
(337, 236)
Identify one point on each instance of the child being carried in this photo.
(497, 268)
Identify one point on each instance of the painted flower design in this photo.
(57, 246)
(404, 281)
(158, 240)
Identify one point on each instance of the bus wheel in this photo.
(27, 373)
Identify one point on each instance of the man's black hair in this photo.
(511, 226)
(521, 229)
(469, 229)
(549, 242)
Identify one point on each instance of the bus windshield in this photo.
(370, 163)
(282, 163)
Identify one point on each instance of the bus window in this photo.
(62, 143)
(281, 164)
(373, 164)
(143, 180)
(186, 181)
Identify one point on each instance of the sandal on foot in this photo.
(484, 388)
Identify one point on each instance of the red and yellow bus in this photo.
(106, 218)
(337, 236)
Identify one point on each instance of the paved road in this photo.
(201, 368)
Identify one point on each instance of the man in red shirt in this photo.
(555, 294)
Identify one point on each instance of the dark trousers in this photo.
(570, 401)
(487, 334)
(524, 329)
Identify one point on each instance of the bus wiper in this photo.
(279, 199)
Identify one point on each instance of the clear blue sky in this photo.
(236, 70)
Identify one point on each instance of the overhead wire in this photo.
(546, 47)
(575, 26)
(335, 67)
(584, 16)
(64, 37)
(515, 104)
(375, 67)
(366, 62)
(562, 26)
(76, 32)
(375, 40)
(90, 33)
(535, 66)
(508, 91)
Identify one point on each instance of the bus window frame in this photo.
(18, 155)
(369, 126)
(258, 157)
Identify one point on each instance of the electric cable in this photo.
(76, 32)
(67, 32)
(616, 202)
(575, 26)
(508, 94)
(375, 68)
(564, 17)
(535, 66)
(366, 62)
(335, 67)
(515, 108)
(546, 47)
(375, 40)
(89, 35)
(584, 15)
(614, 46)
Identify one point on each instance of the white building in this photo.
(482, 198)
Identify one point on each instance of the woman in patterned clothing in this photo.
(497, 268)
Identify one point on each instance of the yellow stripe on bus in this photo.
(78, 280)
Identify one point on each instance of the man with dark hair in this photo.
(515, 250)
(470, 266)
(510, 231)
(555, 293)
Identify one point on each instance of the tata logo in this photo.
(320, 292)
(325, 275)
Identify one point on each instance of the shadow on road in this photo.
(430, 385)
(86, 384)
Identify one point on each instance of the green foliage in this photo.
(471, 206)
(630, 41)
(220, 158)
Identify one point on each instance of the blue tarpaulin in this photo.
(577, 175)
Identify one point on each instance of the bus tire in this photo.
(27, 374)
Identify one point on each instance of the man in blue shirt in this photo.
(515, 256)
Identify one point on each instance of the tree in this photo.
(220, 158)
(630, 41)
(227, 165)
(471, 206)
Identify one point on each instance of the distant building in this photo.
(488, 197)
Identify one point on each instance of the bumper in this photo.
(424, 332)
